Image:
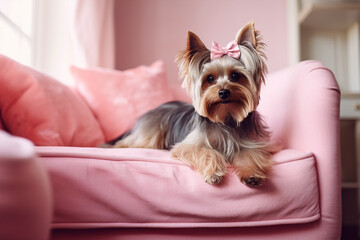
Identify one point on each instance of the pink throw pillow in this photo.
(41, 109)
(118, 98)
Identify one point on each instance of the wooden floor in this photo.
(349, 233)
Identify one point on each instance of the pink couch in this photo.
(71, 190)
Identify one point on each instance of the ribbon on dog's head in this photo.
(232, 49)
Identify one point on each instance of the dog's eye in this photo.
(234, 76)
(210, 78)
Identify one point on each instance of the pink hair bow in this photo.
(232, 49)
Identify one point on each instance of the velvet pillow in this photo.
(118, 98)
(41, 109)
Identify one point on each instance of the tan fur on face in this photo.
(243, 102)
(194, 64)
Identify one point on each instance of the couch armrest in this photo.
(25, 196)
(301, 106)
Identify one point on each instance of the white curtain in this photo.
(73, 32)
(93, 33)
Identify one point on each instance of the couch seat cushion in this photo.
(101, 188)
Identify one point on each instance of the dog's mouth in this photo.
(226, 101)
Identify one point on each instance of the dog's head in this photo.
(224, 83)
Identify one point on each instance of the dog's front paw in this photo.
(213, 169)
(252, 166)
(253, 182)
(210, 163)
(213, 179)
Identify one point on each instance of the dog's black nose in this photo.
(224, 93)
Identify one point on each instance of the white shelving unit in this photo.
(329, 31)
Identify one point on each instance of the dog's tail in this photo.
(111, 143)
(105, 145)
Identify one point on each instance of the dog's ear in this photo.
(194, 44)
(252, 36)
(247, 34)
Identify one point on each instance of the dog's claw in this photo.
(253, 182)
(214, 179)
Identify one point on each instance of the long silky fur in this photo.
(176, 120)
(211, 132)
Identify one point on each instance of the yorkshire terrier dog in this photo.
(222, 125)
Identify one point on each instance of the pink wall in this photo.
(147, 30)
